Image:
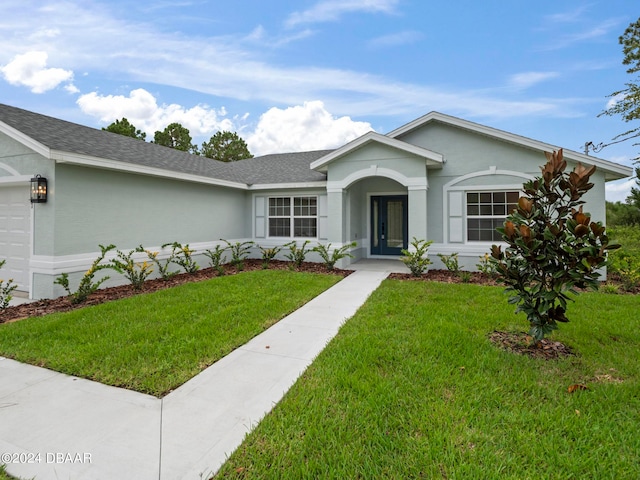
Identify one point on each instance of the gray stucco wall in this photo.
(100, 207)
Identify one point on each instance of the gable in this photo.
(416, 131)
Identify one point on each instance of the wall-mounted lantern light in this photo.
(38, 189)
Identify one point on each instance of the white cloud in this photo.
(528, 79)
(592, 32)
(615, 99)
(568, 17)
(301, 128)
(143, 111)
(30, 69)
(396, 39)
(233, 67)
(619, 190)
(332, 10)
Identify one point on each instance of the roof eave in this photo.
(613, 171)
(107, 164)
(287, 186)
(432, 158)
(25, 140)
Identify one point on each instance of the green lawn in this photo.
(154, 342)
(411, 387)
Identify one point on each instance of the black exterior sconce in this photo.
(38, 189)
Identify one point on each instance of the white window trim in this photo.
(452, 186)
(466, 215)
(292, 216)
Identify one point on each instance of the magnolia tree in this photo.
(552, 245)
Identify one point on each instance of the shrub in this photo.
(239, 252)
(269, 254)
(486, 266)
(87, 286)
(552, 245)
(417, 259)
(330, 259)
(625, 262)
(5, 289)
(136, 272)
(163, 267)
(216, 258)
(609, 288)
(183, 256)
(296, 254)
(465, 277)
(450, 261)
(627, 265)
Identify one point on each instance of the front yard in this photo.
(154, 342)
(412, 388)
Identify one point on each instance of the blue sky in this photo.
(315, 74)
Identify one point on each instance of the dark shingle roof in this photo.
(280, 168)
(70, 137)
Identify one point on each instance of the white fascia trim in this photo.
(613, 171)
(490, 171)
(96, 162)
(16, 180)
(432, 158)
(287, 186)
(25, 140)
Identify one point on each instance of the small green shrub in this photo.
(486, 266)
(87, 286)
(450, 261)
(330, 259)
(136, 272)
(297, 255)
(465, 277)
(216, 258)
(163, 266)
(239, 252)
(5, 289)
(609, 288)
(268, 254)
(183, 256)
(627, 265)
(417, 258)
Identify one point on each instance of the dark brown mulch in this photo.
(63, 304)
(448, 277)
(520, 343)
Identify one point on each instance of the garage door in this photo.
(15, 220)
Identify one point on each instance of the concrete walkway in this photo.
(53, 426)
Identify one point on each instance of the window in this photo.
(487, 211)
(293, 217)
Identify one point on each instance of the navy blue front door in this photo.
(389, 229)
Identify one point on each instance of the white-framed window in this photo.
(487, 211)
(295, 217)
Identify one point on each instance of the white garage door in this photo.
(15, 223)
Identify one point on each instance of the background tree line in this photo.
(224, 146)
(627, 105)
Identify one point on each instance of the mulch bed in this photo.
(448, 277)
(63, 304)
(520, 343)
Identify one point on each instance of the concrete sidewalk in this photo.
(54, 426)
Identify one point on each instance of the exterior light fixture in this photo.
(38, 189)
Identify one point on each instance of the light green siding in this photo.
(96, 206)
